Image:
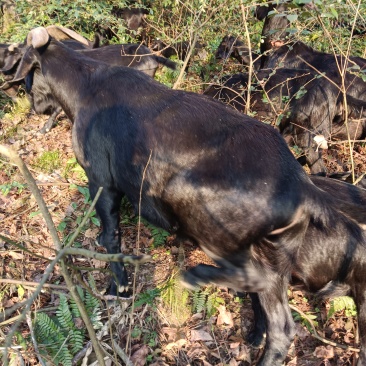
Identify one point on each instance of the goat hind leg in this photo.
(280, 327)
(360, 300)
(244, 278)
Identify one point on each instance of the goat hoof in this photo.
(255, 339)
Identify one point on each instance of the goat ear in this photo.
(62, 33)
(26, 65)
(37, 37)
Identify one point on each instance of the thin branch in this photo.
(90, 210)
(35, 344)
(29, 283)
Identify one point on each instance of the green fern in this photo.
(198, 301)
(58, 336)
(159, 235)
(213, 302)
(206, 300)
(52, 340)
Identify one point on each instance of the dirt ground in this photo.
(171, 333)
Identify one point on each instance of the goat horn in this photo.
(12, 47)
(62, 33)
(37, 37)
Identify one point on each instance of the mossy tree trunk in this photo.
(7, 14)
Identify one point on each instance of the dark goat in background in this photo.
(9, 52)
(133, 20)
(298, 55)
(275, 28)
(137, 56)
(213, 175)
(309, 106)
(232, 46)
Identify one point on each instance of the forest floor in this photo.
(167, 327)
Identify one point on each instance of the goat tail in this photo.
(166, 62)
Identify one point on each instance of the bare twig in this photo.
(35, 344)
(121, 353)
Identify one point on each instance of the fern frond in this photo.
(64, 315)
(76, 337)
(198, 301)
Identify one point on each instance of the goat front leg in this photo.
(315, 162)
(107, 208)
(51, 121)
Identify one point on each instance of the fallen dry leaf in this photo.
(178, 344)
(324, 352)
(15, 255)
(91, 233)
(224, 317)
(139, 357)
(200, 335)
(170, 332)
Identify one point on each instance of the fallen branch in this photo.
(316, 335)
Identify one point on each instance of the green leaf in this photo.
(21, 292)
(292, 17)
(95, 221)
(34, 214)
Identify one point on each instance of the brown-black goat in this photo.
(7, 52)
(275, 28)
(220, 178)
(300, 103)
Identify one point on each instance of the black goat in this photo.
(302, 104)
(232, 46)
(37, 90)
(300, 56)
(217, 177)
(133, 20)
(136, 56)
(275, 28)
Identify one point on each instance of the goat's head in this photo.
(10, 56)
(227, 47)
(157, 45)
(38, 38)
